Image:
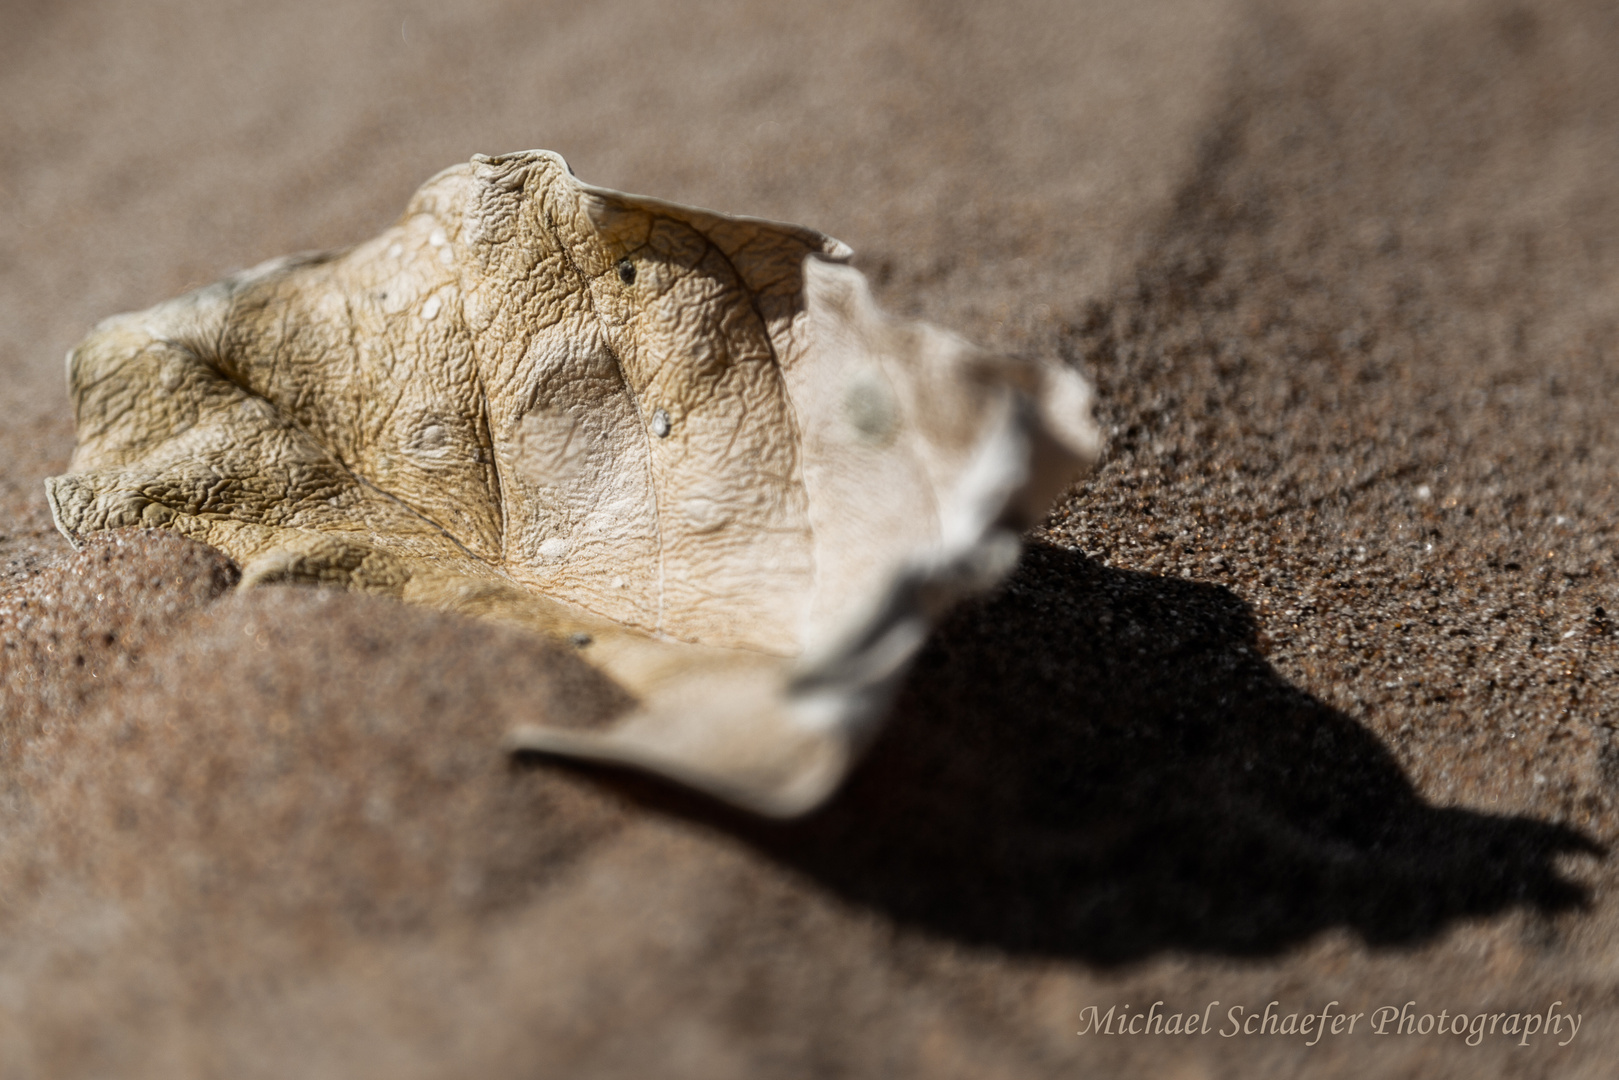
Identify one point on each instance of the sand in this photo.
(1308, 696)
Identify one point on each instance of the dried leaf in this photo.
(687, 444)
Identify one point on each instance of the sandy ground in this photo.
(1308, 696)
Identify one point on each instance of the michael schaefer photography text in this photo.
(1333, 1020)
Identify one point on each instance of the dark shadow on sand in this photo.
(1099, 763)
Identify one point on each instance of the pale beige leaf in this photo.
(687, 443)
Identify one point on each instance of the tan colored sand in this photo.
(1308, 695)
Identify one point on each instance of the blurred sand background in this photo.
(1309, 694)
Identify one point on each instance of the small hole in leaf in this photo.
(626, 271)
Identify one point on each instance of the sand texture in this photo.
(1308, 694)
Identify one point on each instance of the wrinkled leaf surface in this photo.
(685, 443)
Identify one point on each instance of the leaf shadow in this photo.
(1099, 763)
